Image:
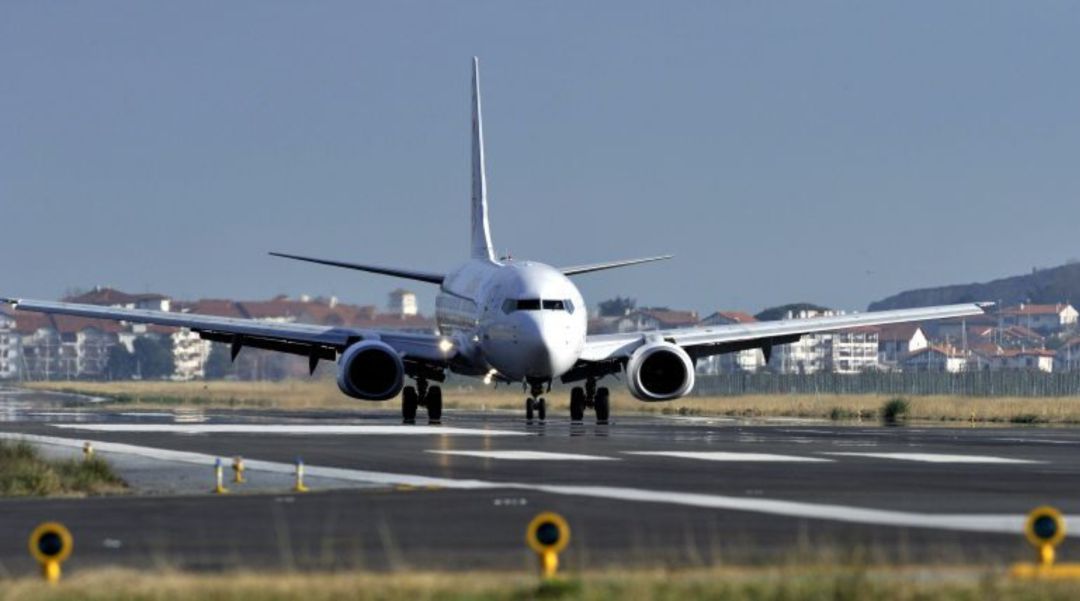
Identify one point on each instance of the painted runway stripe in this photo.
(991, 523)
(728, 456)
(936, 458)
(525, 455)
(313, 429)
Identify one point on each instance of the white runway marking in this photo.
(1038, 440)
(316, 429)
(726, 456)
(995, 523)
(935, 458)
(526, 455)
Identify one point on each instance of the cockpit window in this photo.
(534, 304)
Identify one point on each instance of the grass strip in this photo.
(832, 583)
(24, 472)
(323, 395)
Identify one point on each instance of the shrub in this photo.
(895, 410)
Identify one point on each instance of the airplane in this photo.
(504, 320)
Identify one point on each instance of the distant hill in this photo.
(1058, 284)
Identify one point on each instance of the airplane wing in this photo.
(313, 341)
(714, 340)
(591, 267)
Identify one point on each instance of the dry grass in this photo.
(23, 472)
(834, 583)
(322, 394)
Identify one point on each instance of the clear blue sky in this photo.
(834, 152)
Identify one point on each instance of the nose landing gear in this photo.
(421, 396)
(590, 397)
(535, 404)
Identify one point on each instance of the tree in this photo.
(120, 364)
(218, 365)
(617, 307)
(154, 357)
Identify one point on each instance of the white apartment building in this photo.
(810, 354)
(853, 351)
(10, 348)
(190, 353)
(403, 302)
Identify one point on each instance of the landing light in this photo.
(489, 376)
(445, 345)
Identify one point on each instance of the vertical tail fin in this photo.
(481, 232)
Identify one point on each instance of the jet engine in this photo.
(371, 370)
(660, 371)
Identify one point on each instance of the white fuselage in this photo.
(525, 320)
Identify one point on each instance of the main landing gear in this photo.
(536, 404)
(598, 399)
(421, 396)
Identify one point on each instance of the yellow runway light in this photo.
(50, 544)
(548, 534)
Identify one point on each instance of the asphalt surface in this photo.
(642, 490)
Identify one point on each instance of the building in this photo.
(1044, 319)
(63, 347)
(655, 319)
(808, 355)
(747, 361)
(1027, 359)
(900, 340)
(853, 351)
(10, 351)
(1068, 356)
(110, 297)
(935, 358)
(403, 302)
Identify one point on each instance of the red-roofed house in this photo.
(110, 297)
(655, 319)
(935, 358)
(1030, 359)
(900, 340)
(1041, 318)
(750, 360)
(724, 318)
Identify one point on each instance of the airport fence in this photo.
(1021, 383)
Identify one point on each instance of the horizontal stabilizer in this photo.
(578, 269)
(434, 278)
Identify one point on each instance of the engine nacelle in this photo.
(371, 370)
(660, 371)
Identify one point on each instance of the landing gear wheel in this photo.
(409, 401)
(541, 409)
(602, 405)
(434, 405)
(528, 410)
(577, 404)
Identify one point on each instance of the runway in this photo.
(642, 490)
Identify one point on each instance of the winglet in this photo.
(481, 231)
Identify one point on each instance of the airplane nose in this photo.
(543, 345)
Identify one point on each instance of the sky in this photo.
(831, 152)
